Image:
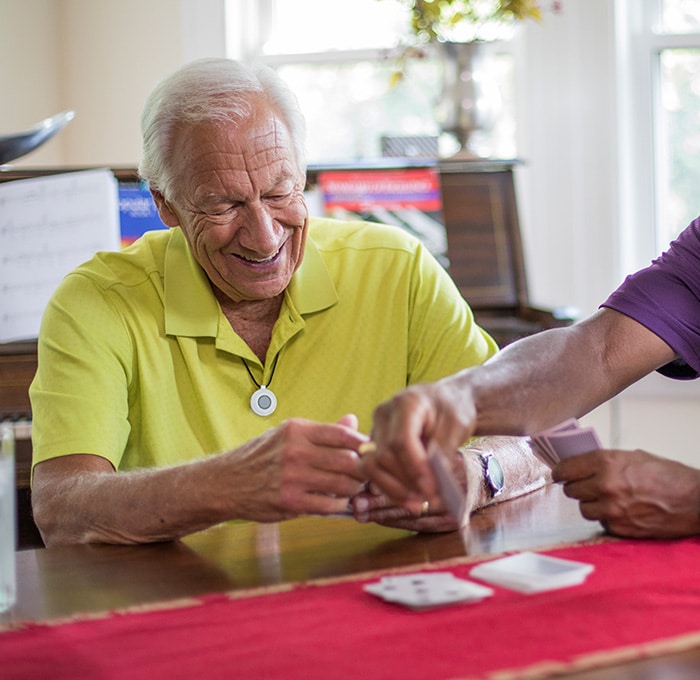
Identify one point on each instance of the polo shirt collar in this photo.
(311, 288)
(192, 310)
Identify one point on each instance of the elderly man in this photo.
(227, 367)
(649, 323)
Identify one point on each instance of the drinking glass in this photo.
(7, 517)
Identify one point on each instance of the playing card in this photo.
(529, 572)
(425, 590)
(451, 492)
(543, 450)
(563, 441)
(573, 443)
(564, 426)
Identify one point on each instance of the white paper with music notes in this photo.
(48, 226)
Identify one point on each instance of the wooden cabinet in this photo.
(18, 363)
(485, 248)
(17, 368)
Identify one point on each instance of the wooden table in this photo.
(59, 582)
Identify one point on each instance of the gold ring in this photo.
(367, 447)
(424, 508)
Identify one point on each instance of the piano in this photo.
(484, 254)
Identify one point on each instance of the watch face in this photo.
(494, 473)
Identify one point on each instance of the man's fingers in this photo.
(405, 465)
(577, 467)
(323, 504)
(369, 507)
(384, 479)
(404, 518)
(584, 490)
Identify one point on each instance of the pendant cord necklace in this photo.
(263, 401)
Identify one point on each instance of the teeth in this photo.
(260, 261)
(265, 259)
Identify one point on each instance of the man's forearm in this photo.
(298, 467)
(545, 378)
(133, 507)
(518, 392)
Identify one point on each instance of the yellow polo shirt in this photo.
(138, 364)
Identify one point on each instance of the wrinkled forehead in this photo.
(259, 140)
(259, 145)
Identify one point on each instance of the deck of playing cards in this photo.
(564, 441)
(425, 590)
(529, 572)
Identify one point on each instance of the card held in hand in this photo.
(564, 441)
(451, 493)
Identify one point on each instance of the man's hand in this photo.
(403, 426)
(431, 516)
(374, 506)
(299, 467)
(634, 493)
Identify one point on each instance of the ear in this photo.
(167, 215)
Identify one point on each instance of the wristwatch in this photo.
(493, 473)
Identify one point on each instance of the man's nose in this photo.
(261, 233)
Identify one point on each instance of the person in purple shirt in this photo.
(650, 323)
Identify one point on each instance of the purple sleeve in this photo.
(665, 298)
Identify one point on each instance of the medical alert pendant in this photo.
(263, 402)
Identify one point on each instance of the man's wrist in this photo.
(487, 472)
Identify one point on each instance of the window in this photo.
(661, 66)
(340, 58)
(678, 117)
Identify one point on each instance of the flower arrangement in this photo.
(469, 20)
(455, 32)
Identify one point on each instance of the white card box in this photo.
(529, 572)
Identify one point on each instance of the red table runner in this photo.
(642, 599)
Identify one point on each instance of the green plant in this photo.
(467, 20)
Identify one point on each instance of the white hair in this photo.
(211, 89)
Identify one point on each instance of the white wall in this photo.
(571, 117)
(101, 58)
(29, 48)
(566, 139)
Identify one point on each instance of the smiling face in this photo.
(240, 203)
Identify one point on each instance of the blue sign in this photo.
(137, 211)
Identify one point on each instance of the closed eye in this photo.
(219, 210)
(278, 199)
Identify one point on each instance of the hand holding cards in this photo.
(564, 441)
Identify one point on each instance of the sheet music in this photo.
(48, 226)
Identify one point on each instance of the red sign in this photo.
(362, 190)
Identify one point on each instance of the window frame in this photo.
(643, 171)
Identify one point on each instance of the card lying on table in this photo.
(530, 572)
(422, 591)
(564, 441)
